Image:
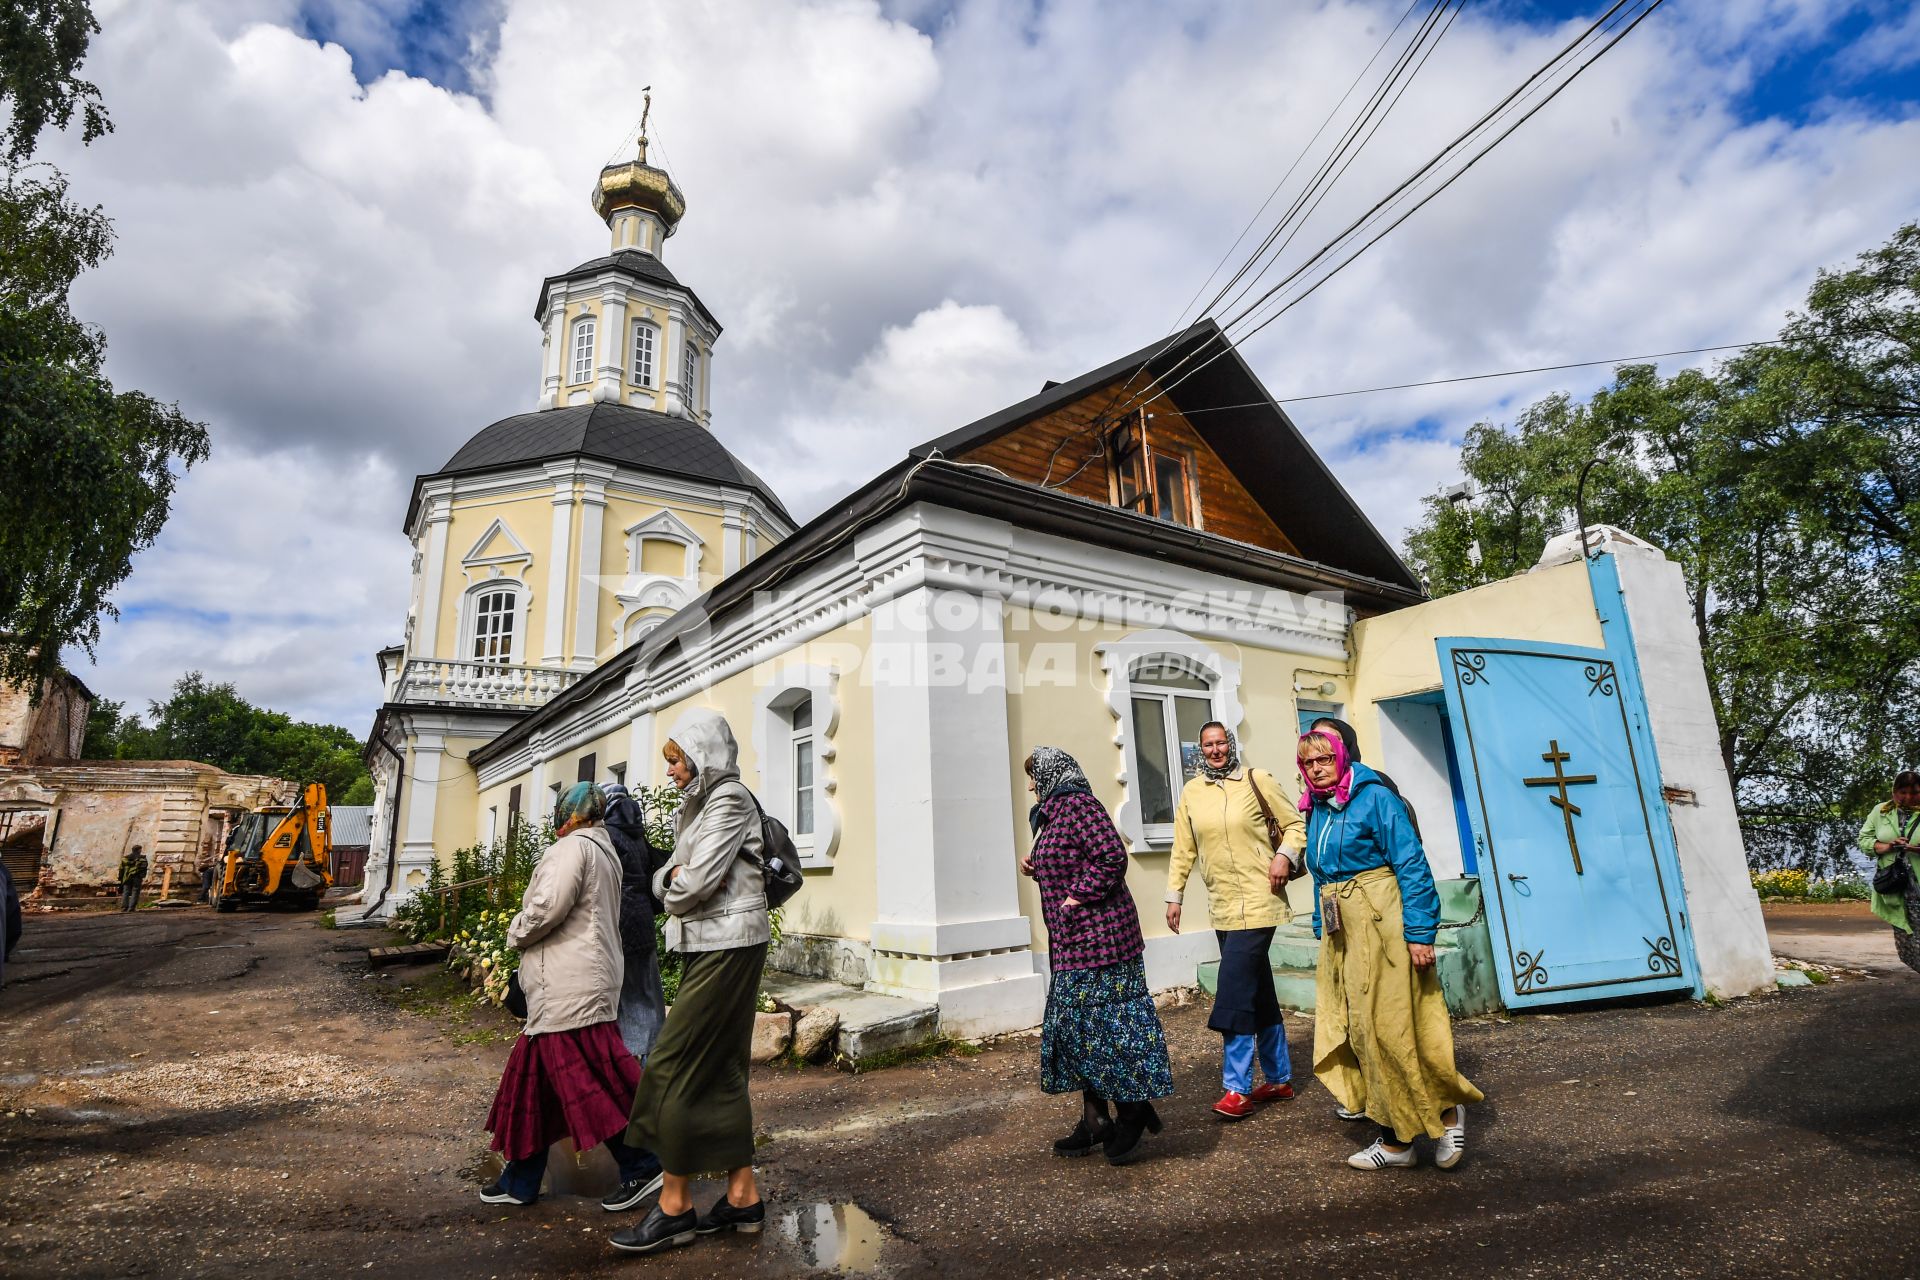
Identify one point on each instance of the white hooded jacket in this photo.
(718, 899)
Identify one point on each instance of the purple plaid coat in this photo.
(1078, 855)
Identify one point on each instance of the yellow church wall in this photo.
(1394, 653)
(454, 801)
(529, 513)
(621, 514)
(1068, 709)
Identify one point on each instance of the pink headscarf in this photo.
(1343, 785)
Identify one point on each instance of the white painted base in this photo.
(1172, 958)
(413, 866)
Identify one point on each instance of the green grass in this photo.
(939, 1047)
(326, 919)
(463, 1014)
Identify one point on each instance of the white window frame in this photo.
(774, 741)
(580, 350)
(1119, 658)
(799, 751)
(643, 370)
(689, 373)
(470, 619)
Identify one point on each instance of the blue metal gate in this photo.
(1576, 853)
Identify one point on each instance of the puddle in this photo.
(19, 1080)
(832, 1237)
(85, 1115)
(98, 1069)
(568, 1173)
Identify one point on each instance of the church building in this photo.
(1101, 567)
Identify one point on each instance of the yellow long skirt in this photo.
(1382, 1040)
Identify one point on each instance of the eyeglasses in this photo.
(1307, 760)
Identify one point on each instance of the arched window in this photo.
(583, 349)
(800, 740)
(644, 335)
(493, 630)
(794, 720)
(689, 372)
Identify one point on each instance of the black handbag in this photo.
(779, 860)
(1896, 877)
(516, 997)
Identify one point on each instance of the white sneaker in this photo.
(1378, 1157)
(1452, 1146)
(1345, 1114)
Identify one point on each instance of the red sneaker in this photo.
(1233, 1106)
(1272, 1093)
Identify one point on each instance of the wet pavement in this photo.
(191, 1095)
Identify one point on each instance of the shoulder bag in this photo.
(779, 860)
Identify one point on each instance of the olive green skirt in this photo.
(692, 1109)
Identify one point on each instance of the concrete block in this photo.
(1791, 978)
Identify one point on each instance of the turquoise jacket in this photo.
(1371, 831)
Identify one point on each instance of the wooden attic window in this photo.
(1155, 477)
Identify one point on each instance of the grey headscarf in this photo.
(1232, 765)
(1055, 773)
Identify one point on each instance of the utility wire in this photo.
(1228, 342)
(1481, 377)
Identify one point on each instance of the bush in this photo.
(1794, 885)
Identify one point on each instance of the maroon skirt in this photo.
(578, 1084)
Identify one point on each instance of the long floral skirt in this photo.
(1102, 1033)
(1907, 945)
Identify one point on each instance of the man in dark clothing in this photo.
(10, 907)
(133, 876)
(1352, 742)
(643, 1004)
(210, 860)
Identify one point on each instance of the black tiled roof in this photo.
(633, 262)
(618, 433)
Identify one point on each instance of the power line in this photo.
(1481, 377)
(1227, 342)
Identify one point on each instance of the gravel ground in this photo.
(183, 1094)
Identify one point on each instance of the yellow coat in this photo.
(1220, 825)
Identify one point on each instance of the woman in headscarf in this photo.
(1351, 740)
(692, 1108)
(643, 1003)
(1246, 835)
(569, 1074)
(1890, 836)
(1101, 1037)
(1382, 1041)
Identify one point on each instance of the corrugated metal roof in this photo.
(352, 825)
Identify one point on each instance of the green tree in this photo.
(1787, 487)
(213, 724)
(90, 471)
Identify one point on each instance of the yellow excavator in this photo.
(278, 855)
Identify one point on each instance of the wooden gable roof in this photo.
(1259, 482)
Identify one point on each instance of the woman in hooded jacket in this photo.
(692, 1108)
(1382, 1041)
(569, 1074)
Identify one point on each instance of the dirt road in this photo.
(192, 1095)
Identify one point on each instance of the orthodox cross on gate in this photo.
(1562, 780)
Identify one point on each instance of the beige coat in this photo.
(714, 889)
(1219, 824)
(568, 934)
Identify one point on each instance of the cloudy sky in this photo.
(334, 218)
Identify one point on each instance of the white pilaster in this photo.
(559, 564)
(615, 348)
(433, 575)
(733, 525)
(554, 356)
(673, 342)
(949, 929)
(588, 569)
(415, 856)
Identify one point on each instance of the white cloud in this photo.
(903, 229)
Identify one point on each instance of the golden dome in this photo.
(638, 185)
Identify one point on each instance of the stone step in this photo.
(1293, 987)
(871, 1022)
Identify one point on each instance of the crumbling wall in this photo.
(54, 728)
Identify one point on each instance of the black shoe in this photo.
(724, 1217)
(657, 1231)
(1136, 1118)
(494, 1193)
(1084, 1139)
(632, 1192)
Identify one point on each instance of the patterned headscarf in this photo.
(1056, 773)
(1342, 788)
(1233, 754)
(582, 800)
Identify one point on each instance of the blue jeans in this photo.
(521, 1178)
(1236, 1070)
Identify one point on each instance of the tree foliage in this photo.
(1787, 486)
(213, 724)
(90, 471)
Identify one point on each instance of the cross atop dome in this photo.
(639, 203)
